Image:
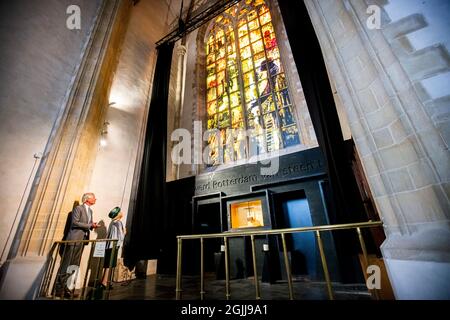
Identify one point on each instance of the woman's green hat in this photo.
(114, 212)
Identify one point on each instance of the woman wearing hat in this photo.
(117, 231)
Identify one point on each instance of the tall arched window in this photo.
(246, 86)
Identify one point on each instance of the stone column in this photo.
(404, 154)
(179, 94)
(65, 168)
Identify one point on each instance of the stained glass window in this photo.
(246, 86)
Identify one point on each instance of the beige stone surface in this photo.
(400, 129)
(39, 59)
(404, 151)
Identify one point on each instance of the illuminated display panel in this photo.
(247, 214)
(246, 86)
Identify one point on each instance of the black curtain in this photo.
(316, 86)
(147, 227)
(345, 203)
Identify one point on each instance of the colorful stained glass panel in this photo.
(247, 65)
(246, 52)
(286, 116)
(249, 78)
(259, 80)
(211, 95)
(290, 136)
(250, 93)
(254, 24)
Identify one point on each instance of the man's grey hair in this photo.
(87, 196)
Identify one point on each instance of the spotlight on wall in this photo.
(37, 155)
(105, 127)
(103, 142)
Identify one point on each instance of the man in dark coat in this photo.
(81, 224)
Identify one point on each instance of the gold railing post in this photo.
(366, 259)
(288, 267)
(178, 279)
(324, 265)
(227, 269)
(48, 275)
(58, 276)
(83, 290)
(73, 273)
(202, 271)
(111, 269)
(255, 269)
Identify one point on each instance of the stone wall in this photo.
(71, 154)
(39, 60)
(108, 98)
(403, 149)
(116, 168)
(194, 107)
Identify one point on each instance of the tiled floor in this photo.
(157, 287)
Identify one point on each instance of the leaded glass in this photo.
(211, 109)
(246, 86)
(246, 52)
(290, 136)
(249, 78)
(236, 115)
(212, 122)
(235, 99)
(258, 47)
(255, 35)
(286, 116)
(244, 41)
(254, 24)
(211, 95)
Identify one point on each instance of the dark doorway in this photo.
(207, 220)
(292, 211)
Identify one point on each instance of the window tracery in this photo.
(247, 99)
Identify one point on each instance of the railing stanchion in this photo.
(255, 269)
(366, 258)
(288, 267)
(324, 265)
(227, 269)
(83, 290)
(178, 279)
(59, 276)
(111, 268)
(202, 271)
(48, 275)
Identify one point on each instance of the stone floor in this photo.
(158, 287)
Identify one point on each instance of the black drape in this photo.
(316, 86)
(345, 205)
(147, 225)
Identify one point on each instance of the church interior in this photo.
(273, 145)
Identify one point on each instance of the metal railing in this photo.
(59, 279)
(282, 232)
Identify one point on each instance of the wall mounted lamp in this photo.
(103, 134)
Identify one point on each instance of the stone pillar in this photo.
(404, 154)
(71, 150)
(179, 95)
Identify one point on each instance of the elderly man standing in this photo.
(82, 223)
